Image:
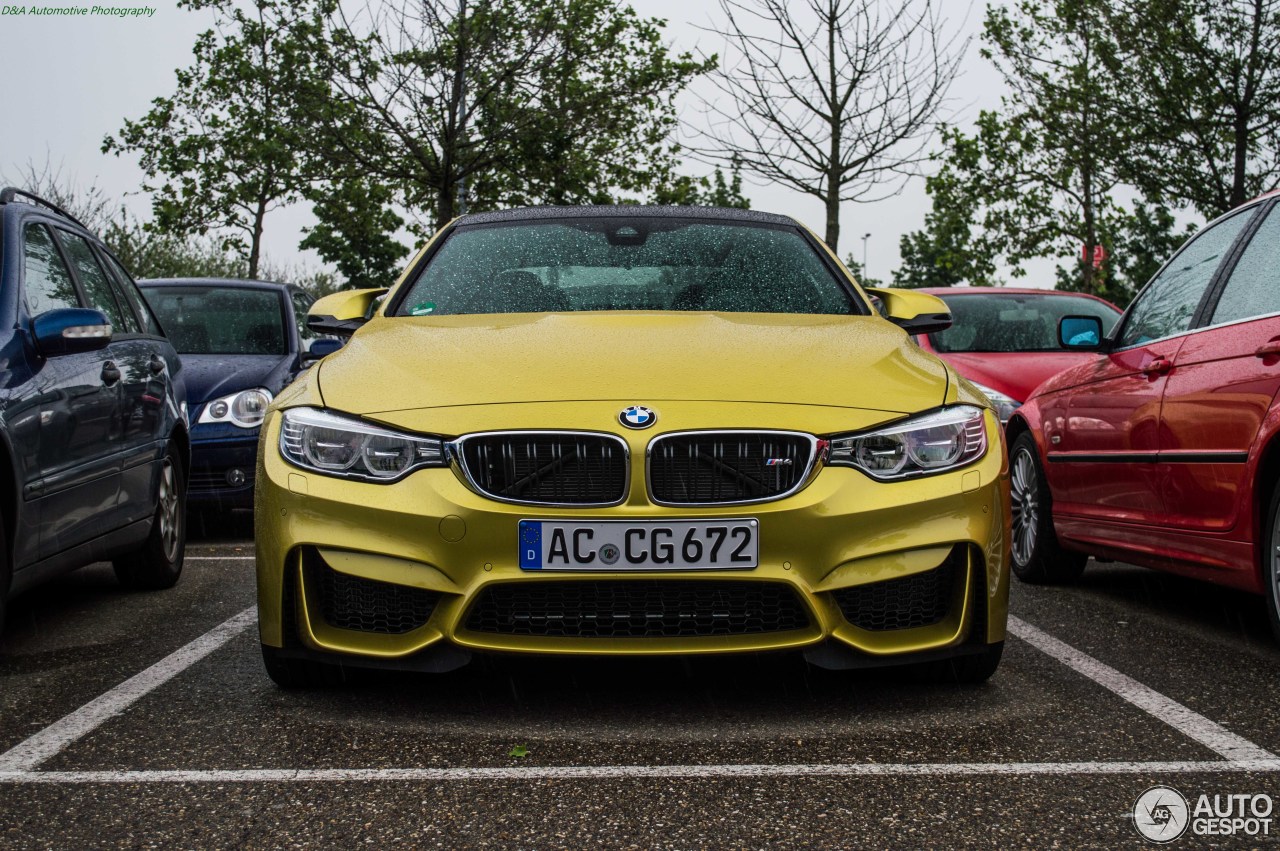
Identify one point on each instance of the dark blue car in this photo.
(93, 438)
(241, 342)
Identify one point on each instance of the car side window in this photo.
(129, 290)
(301, 304)
(47, 281)
(1254, 286)
(97, 289)
(1169, 302)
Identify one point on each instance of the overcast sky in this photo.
(70, 81)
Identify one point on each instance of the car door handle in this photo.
(1159, 366)
(1267, 350)
(110, 373)
(156, 364)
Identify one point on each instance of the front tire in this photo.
(157, 564)
(1271, 561)
(1037, 557)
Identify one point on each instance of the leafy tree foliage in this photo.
(714, 191)
(950, 249)
(1202, 93)
(150, 254)
(228, 147)
(860, 274)
(1041, 176)
(1119, 115)
(490, 104)
(355, 232)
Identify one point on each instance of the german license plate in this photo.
(609, 545)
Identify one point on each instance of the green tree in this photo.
(715, 191)
(147, 253)
(355, 232)
(860, 275)
(947, 251)
(1039, 176)
(228, 147)
(485, 104)
(1202, 92)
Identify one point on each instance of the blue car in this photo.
(94, 452)
(241, 343)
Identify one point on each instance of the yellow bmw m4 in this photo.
(627, 431)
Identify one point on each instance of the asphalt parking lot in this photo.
(133, 719)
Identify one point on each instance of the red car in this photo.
(1162, 449)
(1005, 340)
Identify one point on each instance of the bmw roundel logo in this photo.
(638, 416)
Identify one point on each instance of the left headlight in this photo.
(244, 409)
(337, 445)
(920, 446)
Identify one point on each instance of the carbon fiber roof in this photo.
(521, 214)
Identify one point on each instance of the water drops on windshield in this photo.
(646, 263)
(206, 320)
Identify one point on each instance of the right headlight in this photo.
(351, 448)
(1004, 404)
(930, 443)
(244, 409)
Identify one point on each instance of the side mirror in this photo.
(70, 330)
(342, 313)
(320, 348)
(1080, 333)
(915, 313)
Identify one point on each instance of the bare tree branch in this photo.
(838, 99)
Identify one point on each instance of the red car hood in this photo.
(1015, 374)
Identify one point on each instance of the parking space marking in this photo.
(1186, 721)
(58, 735)
(631, 772)
(220, 558)
(20, 763)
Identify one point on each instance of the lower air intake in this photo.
(922, 599)
(366, 605)
(639, 609)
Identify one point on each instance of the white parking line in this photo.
(18, 765)
(1186, 721)
(624, 772)
(52, 739)
(220, 558)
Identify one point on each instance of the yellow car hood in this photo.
(409, 363)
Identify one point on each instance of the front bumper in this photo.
(398, 575)
(216, 452)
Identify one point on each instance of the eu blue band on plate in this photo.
(530, 545)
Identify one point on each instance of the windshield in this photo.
(212, 320)
(642, 263)
(1013, 322)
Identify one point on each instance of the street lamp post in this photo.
(865, 273)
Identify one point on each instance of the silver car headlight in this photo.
(245, 409)
(1005, 405)
(351, 448)
(919, 446)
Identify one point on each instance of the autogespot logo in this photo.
(1160, 814)
(638, 416)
